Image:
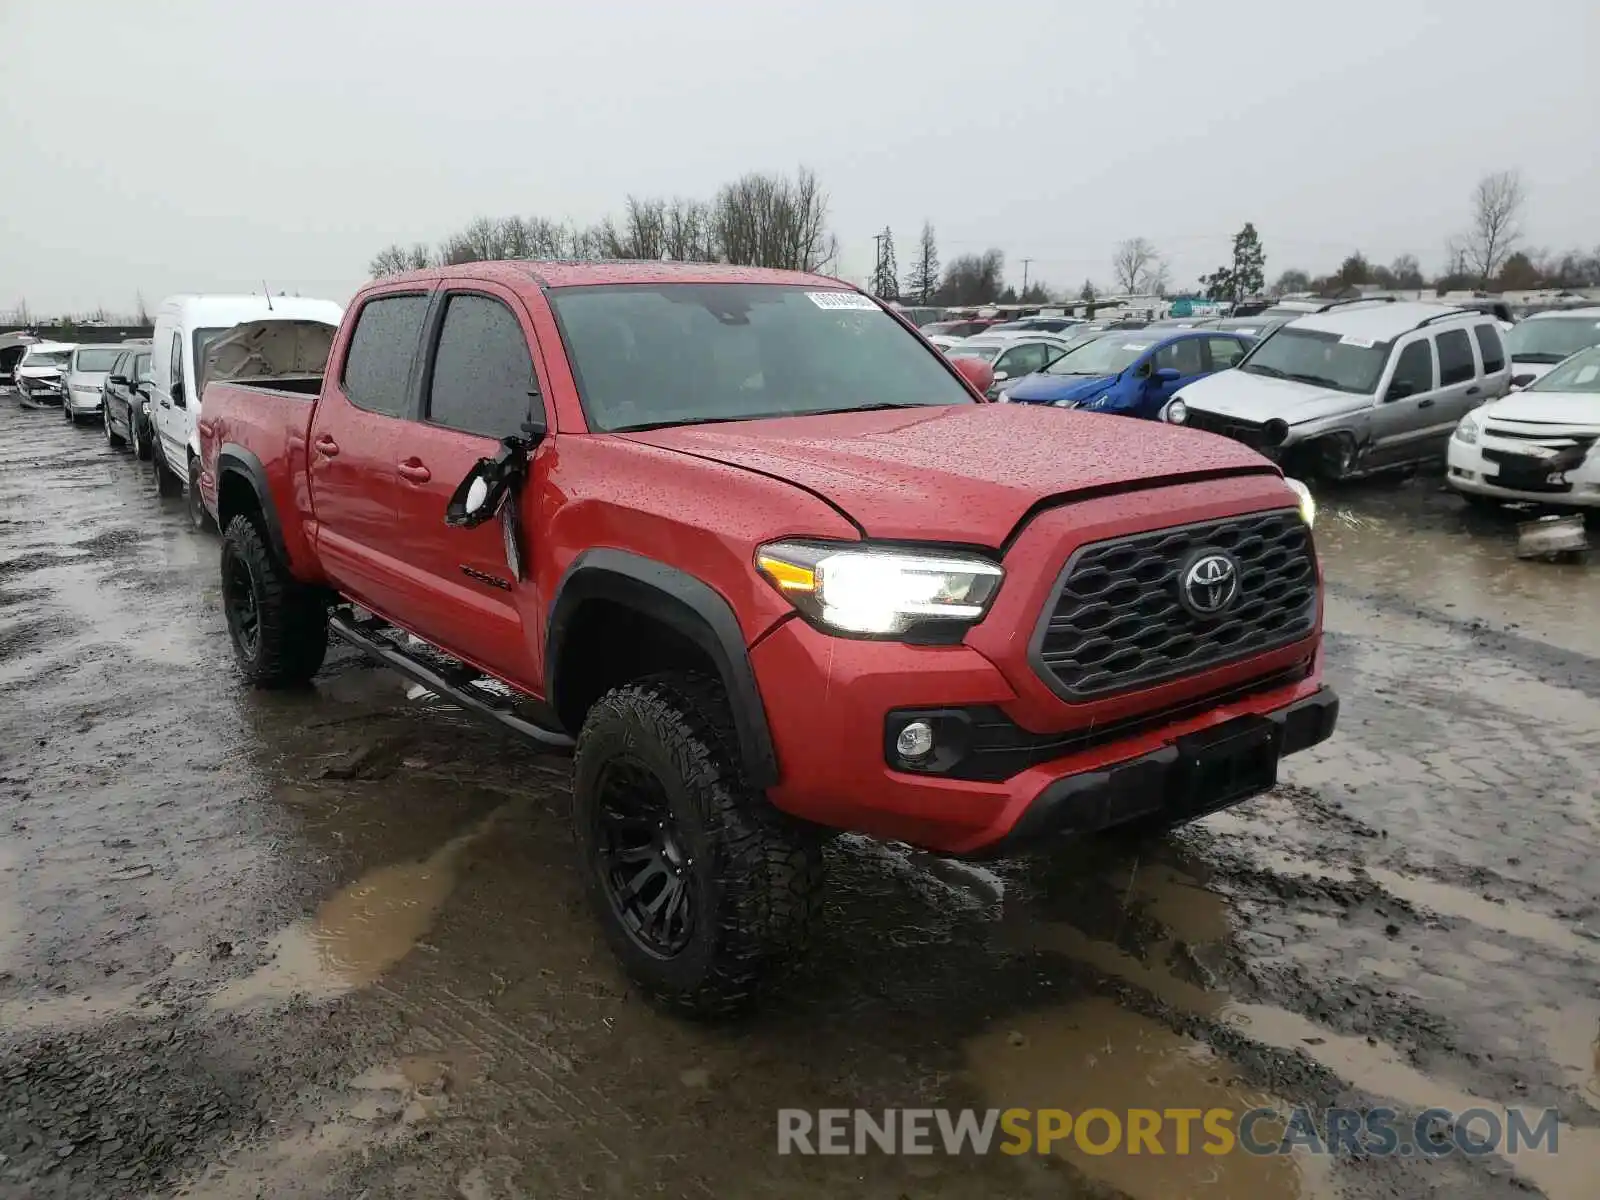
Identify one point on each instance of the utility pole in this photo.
(1025, 263)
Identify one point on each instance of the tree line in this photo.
(759, 219)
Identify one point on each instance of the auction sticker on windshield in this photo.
(843, 300)
(1350, 339)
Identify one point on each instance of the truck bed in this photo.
(261, 426)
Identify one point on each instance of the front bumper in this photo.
(836, 772)
(1469, 471)
(39, 393)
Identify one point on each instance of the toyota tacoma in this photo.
(770, 567)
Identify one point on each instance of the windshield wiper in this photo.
(1314, 380)
(648, 425)
(1262, 369)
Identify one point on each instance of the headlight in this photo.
(1177, 412)
(867, 591)
(1003, 398)
(1063, 404)
(1308, 502)
(1467, 431)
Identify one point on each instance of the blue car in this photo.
(1132, 372)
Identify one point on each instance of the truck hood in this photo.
(962, 474)
(1262, 398)
(1577, 409)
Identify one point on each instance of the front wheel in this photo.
(279, 627)
(199, 518)
(704, 891)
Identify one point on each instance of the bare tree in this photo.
(923, 278)
(1130, 262)
(973, 279)
(394, 259)
(686, 231)
(21, 314)
(1156, 279)
(1496, 224)
(773, 221)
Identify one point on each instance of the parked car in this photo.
(1354, 389)
(1011, 357)
(731, 516)
(12, 347)
(1131, 374)
(1538, 342)
(185, 326)
(126, 401)
(1536, 444)
(84, 379)
(38, 375)
(943, 341)
(1037, 325)
(957, 329)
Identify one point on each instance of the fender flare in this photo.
(689, 607)
(237, 461)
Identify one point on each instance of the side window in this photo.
(1455, 357)
(1024, 360)
(1413, 370)
(1182, 356)
(175, 370)
(1490, 346)
(482, 371)
(377, 366)
(1225, 353)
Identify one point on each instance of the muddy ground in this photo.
(333, 944)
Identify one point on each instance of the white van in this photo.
(185, 326)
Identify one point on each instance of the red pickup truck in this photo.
(775, 568)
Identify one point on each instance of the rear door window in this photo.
(482, 370)
(1491, 348)
(377, 366)
(1455, 358)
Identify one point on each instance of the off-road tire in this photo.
(166, 482)
(291, 637)
(757, 874)
(199, 519)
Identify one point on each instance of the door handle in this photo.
(327, 447)
(413, 470)
(1472, 391)
(1424, 403)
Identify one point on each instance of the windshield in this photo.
(46, 358)
(1108, 355)
(96, 360)
(1346, 364)
(1550, 339)
(1580, 373)
(678, 354)
(987, 353)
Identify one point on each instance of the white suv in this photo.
(1360, 387)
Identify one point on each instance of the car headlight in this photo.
(1467, 431)
(1003, 398)
(1308, 502)
(861, 590)
(1177, 412)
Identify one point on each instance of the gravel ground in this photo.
(333, 944)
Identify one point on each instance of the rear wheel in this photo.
(113, 438)
(137, 437)
(279, 627)
(704, 891)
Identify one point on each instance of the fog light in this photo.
(914, 741)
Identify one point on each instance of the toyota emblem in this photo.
(1210, 583)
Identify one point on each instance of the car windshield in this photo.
(1580, 373)
(1107, 355)
(96, 360)
(681, 354)
(46, 358)
(1550, 339)
(1346, 364)
(987, 353)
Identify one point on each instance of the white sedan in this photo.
(1537, 444)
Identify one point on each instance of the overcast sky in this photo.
(164, 145)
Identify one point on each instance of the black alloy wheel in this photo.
(241, 605)
(645, 869)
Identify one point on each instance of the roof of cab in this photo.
(1382, 322)
(601, 272)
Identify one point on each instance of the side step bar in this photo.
(370, 637)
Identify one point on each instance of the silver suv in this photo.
(1359, 387)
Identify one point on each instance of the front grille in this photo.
(1115, 621)
(1251, 433)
